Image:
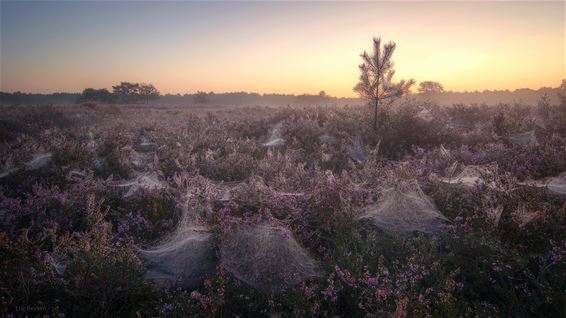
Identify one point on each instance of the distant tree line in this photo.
(19, 98)
(306, 99)
(426, 93)
(252, 99)
(125, 93)
(242, 98)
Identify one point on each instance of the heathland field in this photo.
(112, 210)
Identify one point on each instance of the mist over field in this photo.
(282, 159)
(445, 98)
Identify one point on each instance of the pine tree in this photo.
(376, 77)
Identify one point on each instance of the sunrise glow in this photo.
(182, 47)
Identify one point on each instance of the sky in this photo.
(283, 47)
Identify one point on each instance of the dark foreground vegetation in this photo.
(88, 192)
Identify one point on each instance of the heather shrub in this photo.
(303, 133)
(111, 110)
(404, 131)
(557, 120)
(32, 120)
(101, 284)
(26, 279)
(247, 128)
(11, 128)
(151, 215)
(110, 161)
(540, 161)
(468, 116)
(331, 205)
(74, 267)
(234, 162)
(67, 151)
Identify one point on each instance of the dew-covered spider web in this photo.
(404, 208)
(183, 258)
(266, 257)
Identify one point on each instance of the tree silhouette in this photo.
(201, 97)
(148, 91)
(96, 95)
(376, 77)
(127, 92)
(430, 87)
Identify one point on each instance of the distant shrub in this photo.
(201, 97)
(90, 95)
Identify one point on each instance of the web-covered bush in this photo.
(266, 257)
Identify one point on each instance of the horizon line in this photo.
(287, 94)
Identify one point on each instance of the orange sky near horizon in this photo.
(275, 47)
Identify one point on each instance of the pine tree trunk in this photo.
(376, 102)
(375, 114)
(376, 105)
